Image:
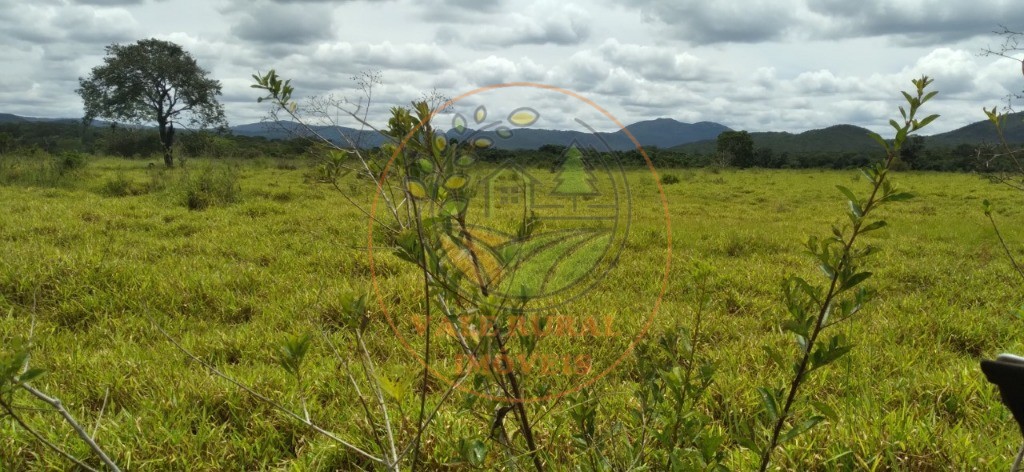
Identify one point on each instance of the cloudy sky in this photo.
(761, 65)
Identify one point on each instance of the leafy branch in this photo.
(814, 308)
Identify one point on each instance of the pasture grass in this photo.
(233, 257)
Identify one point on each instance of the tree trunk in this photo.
(167, 139)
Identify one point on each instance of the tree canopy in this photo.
(152, 81)
(738, 146)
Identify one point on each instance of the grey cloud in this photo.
(548, 22)
(108, 3)
(419, 57)
(908, 23)
(705, 22)
(656, 63)
(920, 23)
(98, 25)
(276, 23)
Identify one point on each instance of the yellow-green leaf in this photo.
(416, 189)
(456, 182)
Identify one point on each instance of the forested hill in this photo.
(854, 139)
(668, 142)
(834, 139)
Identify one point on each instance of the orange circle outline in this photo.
(668, 244)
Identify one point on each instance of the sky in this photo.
(758, 65)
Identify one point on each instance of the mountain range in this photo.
(664, 133)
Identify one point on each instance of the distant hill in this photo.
(662, 132)
(9, 118)
(288, 130)
(854, 139)
(665, 133)
(834, 139)
(981, 132)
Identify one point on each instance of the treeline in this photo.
(58, 137)
(734, 149)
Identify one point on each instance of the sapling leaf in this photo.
(854, 280)
(473, 451)
(30, 374)
(899, 197)
(849, 194)
(827, 270)
(873, 226)
(770, 404)
(825, 410)
(393, 389)
(801, 428)
(855, 209)
(775, 356)
(880, 141)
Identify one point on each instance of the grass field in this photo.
(92, 264)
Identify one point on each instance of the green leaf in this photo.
(801, 428)
(879, 140)
(827, 270)
(825, 410)
(927, 120)
(473, 451)
(856, 210)
(899, 197)
(873, 226)
(849, 194)
(854, 280)
(775, 356)
(770, 404)
(30, 374)
(393, 389)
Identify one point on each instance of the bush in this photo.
(69, 161)
(668, 179)
(39, 168)
(210, 187)
(122, 186)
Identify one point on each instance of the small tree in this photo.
(738, 146)
(152, 80)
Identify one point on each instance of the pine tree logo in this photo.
(574, 180)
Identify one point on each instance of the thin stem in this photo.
(841, 267)
(213, 370)
(371, 375)
(826, 306)
(426, 301)
(56, 404)
(43, 440)
(1006, 248)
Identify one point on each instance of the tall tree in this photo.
(738, 146)
(152, 81)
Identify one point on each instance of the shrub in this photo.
(210, 187)
(122, 186)
(668, 179)
(69, 161)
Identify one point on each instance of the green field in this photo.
(91, 271)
